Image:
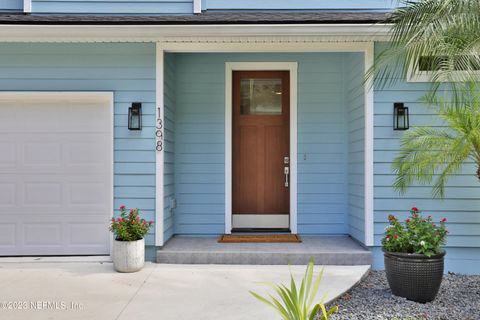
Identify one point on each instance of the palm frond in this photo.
(431, 28)
(431, 155)
(295, 302)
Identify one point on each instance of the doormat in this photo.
(259, 238)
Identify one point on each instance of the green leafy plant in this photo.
(295, 303)
(129, 227)
(433, 154)
(417, 235)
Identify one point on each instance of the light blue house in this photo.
(254, 116)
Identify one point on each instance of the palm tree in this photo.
(442, 36)
(429, 154)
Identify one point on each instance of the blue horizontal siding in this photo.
(11, 6)
(461, 202)
(150, 7)
(298, 4)
(200, 141)
(169, 143)
(126, 69)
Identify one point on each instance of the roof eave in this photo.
(158, 33)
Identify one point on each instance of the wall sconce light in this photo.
(400, 117)
(135, 116)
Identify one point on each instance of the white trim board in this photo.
(187, 33)
(292, 67)
(367, 48)
(159, 155)
(27, 6)
(368, 148)
(197, 6)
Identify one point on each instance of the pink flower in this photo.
(444, 220)
(407, 221)
(121, 220)
(150, 222)
(415, 209)
(122, 207)
(144, 222)
(395, 237)
(388, 237)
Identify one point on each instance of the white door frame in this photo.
(247, 45)
(292, 67)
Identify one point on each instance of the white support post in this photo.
(27, 6)
(159, 145)
(197, 6)
(369, 139)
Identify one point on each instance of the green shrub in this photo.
(129, 227)
(416, 235)
(295, 303)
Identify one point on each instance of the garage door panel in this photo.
(73, 154)
(42, 194)
(47, 234)
(7, 194)
(7, 235)
(55, 176)
(42, 153)
(41, 117)
(95, 232)
(83, 153)
(8, 154)
(42, 234)
(87, 194)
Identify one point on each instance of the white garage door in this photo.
(55, 173)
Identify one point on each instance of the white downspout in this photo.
(27, 6)
(197, 6)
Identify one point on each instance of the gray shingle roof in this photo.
(219, 18)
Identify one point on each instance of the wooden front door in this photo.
(261, 149)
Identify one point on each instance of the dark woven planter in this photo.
(414, 276)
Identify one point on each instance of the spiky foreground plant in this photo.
(295, 303)
(432, 154)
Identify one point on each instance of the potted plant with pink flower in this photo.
(128, 251)
(414, 257)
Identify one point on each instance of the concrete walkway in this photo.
(92, 290)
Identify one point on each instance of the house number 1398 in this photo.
(159, 132)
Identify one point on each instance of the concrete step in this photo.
(326, 250)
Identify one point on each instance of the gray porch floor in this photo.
(326, 250)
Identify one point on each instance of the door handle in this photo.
(286, 171)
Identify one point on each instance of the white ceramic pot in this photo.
(128, 256)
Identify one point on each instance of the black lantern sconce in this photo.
(135, 116)
(400, 117)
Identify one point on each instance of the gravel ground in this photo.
(458, 299)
